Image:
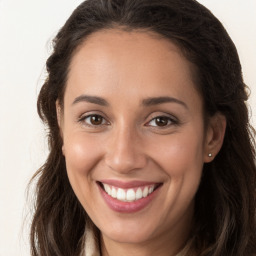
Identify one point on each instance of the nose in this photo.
(124, 152)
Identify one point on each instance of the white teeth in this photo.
(151, 189)
(145, 192)
(129, 195)
(107, 188)
(138, 194)
(121, 195)
(113, 192)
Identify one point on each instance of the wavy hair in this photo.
(225, 215)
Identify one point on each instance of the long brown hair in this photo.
(225, 215)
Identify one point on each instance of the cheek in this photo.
(81, 153)
(180, 154)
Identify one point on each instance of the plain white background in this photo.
(26, 30)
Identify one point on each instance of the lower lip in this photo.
(127, 207)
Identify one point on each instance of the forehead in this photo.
(136, 40)
(116, 45)
(111, 61)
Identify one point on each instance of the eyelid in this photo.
(83, 117)
(171, 118)
(153, 116)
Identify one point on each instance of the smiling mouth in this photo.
(130, 194)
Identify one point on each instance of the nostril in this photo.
(125, 162)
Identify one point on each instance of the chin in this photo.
(128, 234)
(129, 238)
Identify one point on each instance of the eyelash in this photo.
(83, 120)
(170, 121)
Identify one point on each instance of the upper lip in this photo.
(128, 184)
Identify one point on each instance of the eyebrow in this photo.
(146, 102)
(162, 100)
(91, 99)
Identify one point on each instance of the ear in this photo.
(214, 136)
(60, 122)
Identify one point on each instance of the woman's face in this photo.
(134, 136)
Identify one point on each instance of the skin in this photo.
(124, 69)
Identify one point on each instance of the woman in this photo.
(151, 151)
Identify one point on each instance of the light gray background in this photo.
(26, 29)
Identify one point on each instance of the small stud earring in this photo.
(210, 154)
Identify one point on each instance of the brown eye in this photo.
(93, 120)
(96, 120)
(162, 121)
